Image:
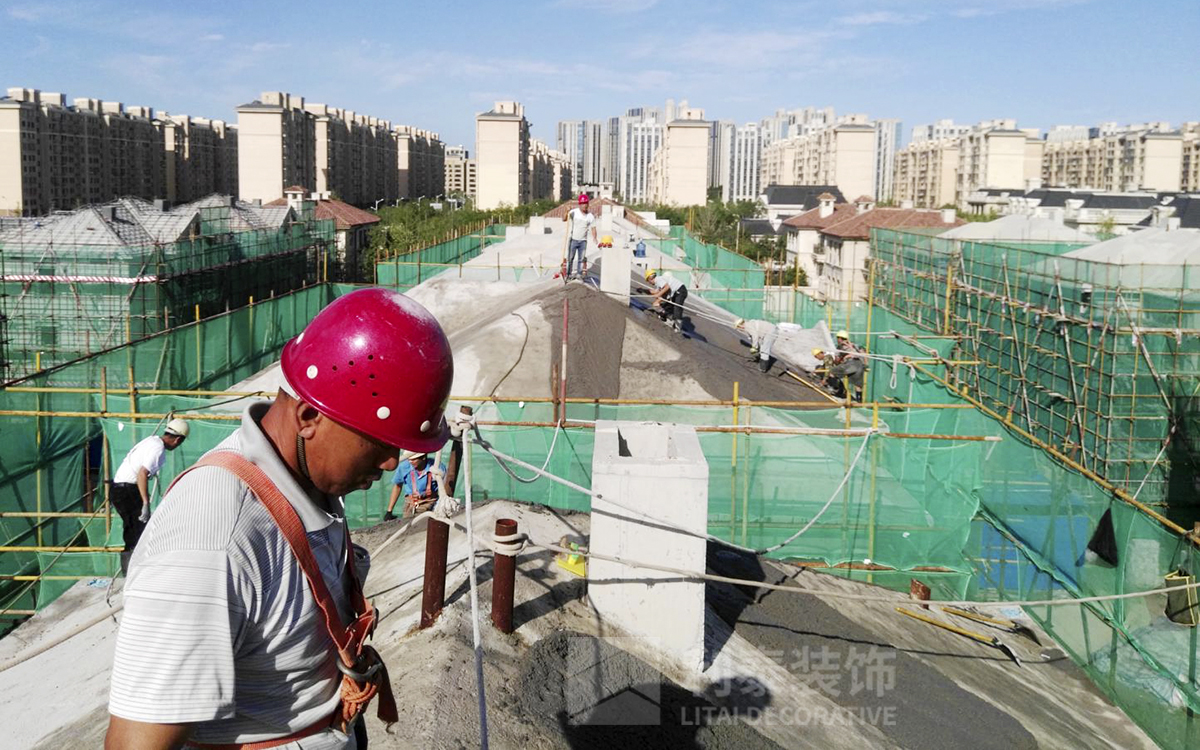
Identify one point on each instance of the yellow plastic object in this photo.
(572, 563)
(651, 273)
(606, 241)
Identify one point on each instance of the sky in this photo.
(436, 65)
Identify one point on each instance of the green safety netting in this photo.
(70, 295)
(403, 272)
(43, 458)
(1003, 519)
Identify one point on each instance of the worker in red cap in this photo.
(579, 220)
(245, 622)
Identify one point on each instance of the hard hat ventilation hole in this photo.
(370, 357)
(371, 376)
(335, 368)
(374, 394)
(353, 382)
(311, 372)
(352, 363)
(383, 412)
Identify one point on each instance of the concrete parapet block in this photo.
(659, 470)
(616, 263)
(510, 232)
(537, 225)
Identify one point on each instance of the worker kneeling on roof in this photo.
(672, 292)
(244, 615)
(762, 338)
(840, 369)
(421, 484)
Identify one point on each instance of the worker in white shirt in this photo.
(669, 295)
(762, 338)
(130, 494)
(581, 220)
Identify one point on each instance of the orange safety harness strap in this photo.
(364, 675)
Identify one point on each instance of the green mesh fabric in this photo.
(403, 272)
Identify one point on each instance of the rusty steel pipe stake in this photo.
(437, 537)
(504, 574)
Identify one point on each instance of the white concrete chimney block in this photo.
(948, 215)
(659, 470)
(511, 231)
(537, 224)
(616, 263)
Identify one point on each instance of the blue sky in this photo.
(435, 64)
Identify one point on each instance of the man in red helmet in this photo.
(580, 220)
(243, 609)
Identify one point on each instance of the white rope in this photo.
(530, 480)
(483, 728)
(643, 517)
(837, 490)
(506, 548)
(1153, 466)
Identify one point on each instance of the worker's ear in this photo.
(307, 419)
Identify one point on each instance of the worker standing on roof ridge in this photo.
(669, 295)
(245, 621)
(130, 495)
(762, 337)
(579, 221)
(421, 484)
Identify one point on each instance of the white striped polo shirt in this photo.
(220, 627)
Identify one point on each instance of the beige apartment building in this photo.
(925, 172)
(994, 154)
(502, 165)
(550, 172)
(200, 159)
(1190, 163)
(1135, 157)
(421, 162)
(842, 155)
(460, 172)
(276, 147)
(284, 142)
(56, 157)
(678, 173)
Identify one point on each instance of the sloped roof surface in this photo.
(812, 218)
(800, 195)
(859, 226)
(1017, 227)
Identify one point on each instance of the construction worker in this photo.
(841, 369)
(671, 291)
(844, 344)
(130, 493)
(580, 220)
(245, 620)
(762, 338)
(419, 481)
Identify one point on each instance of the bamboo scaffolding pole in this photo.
(755, 429)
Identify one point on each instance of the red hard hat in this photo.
(378, 362)
(583, 198)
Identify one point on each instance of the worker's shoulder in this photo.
(202, 510)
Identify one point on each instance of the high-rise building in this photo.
(460, 172)
(639, 138)
(276, 147)
(924, 173)
(887, 140)
(285, 142)
(200, 158)
(54, 156)
(939, 130)
(737, 160)
(420, 161)
(1190, 160)
(550, 172)
(678, 172)
(502, 167)
(1149, 156)
(841, 155)
(932, 172)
